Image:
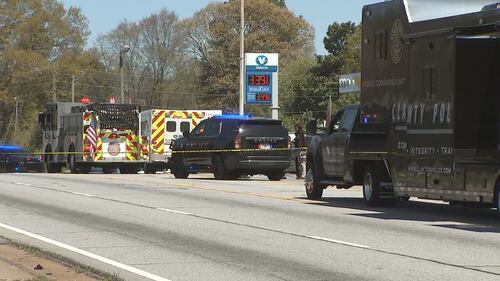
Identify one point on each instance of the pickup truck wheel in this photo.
(178, 168)
(220, 171)
(276, 175)
(314, 189)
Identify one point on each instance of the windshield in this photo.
(421, 10)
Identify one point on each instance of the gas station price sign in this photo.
(261, 72)
(259, 88)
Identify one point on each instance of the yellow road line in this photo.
(255, 194)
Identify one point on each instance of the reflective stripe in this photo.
(444, 191)
(98, 154)
(158, 132)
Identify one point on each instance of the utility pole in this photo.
(16, 113)
(329, 112)
(72, 88)
(54, 94)
(123, 51)
(242, 58)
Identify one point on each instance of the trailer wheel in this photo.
(371, 188)
(314, 189)
(372, 180)
(178, 168)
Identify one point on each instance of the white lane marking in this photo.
(87, 254)
(22, 183)
(82, 194)
(173, 211)
(339, 242)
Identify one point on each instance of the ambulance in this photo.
(159, 127)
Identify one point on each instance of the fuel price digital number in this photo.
(263, 97)
(259, 87)
(259, 80)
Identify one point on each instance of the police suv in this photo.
(232, 146)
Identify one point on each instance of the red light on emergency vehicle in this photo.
(88, 148)
(85, 100)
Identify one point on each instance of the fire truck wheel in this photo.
(178, 168)
(107, 170)
(84, 169)
(128, 170)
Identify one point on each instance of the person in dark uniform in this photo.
(300, 143)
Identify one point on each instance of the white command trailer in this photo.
(159, 127)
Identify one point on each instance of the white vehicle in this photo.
(159, 127)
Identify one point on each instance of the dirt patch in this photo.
(21, 262)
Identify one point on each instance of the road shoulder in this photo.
(22, 262)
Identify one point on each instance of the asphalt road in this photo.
(154, 227)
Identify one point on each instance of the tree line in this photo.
(171, 63)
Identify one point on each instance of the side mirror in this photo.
(186, 134)
(311, 127)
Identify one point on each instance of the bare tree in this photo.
(155, 56)
(161, 47)
(135, 64)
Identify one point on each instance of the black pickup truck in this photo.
(343, 158)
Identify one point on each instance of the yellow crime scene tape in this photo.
(173, 152)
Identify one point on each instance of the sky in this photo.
(105, 15)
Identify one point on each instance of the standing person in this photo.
(300, 144)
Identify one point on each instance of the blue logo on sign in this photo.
(262, 60)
